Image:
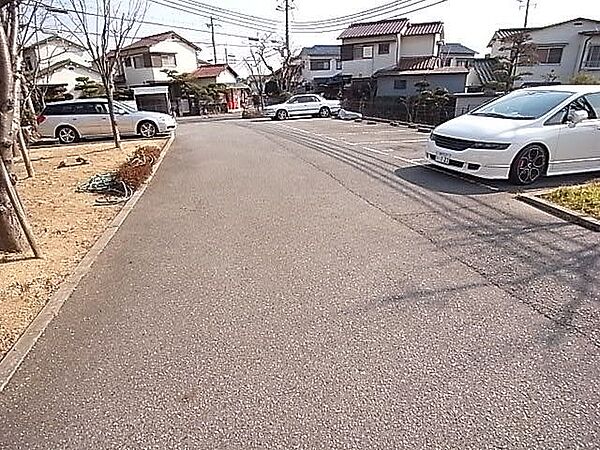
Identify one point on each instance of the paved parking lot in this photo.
(311, 284)
(552, 266)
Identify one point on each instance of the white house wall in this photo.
(310, 75)
(226, 77)
(418, 45)
(68, 77)
(53, 52)
(185, 56)
(364, 68)
(573, 51)
(185, 59)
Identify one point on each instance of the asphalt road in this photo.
(312, 285)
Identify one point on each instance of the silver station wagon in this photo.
(72, 120)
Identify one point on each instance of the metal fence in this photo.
(402, 110)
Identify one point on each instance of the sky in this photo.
(470, 22)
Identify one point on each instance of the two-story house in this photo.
(372, 46)
(56, 63)
(320, 64)
(146, 61)
(456, 55)
(400, 55)
(563, 50)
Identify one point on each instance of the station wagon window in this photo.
(550, 55)
(594, 101)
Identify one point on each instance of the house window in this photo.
(138, 61)
(363, 52)
(28, 63)
(593, 57)
(168, 61)
(127, 62)
(156, 60)
(384, 49)
(550, 55)
(338, 64)
(320, 64)
(400, 85)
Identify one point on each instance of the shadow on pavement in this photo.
(442, 180)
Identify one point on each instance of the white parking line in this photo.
(369, 149)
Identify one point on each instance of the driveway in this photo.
(310, 284)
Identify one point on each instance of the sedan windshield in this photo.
(523, 105)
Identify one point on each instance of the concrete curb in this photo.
(19, 351)
(421, 128)
(559, 211)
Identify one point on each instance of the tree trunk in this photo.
(11, 237)
(109, 87)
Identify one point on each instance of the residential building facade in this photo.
(56, 63)
(456, 55)
(563, 50)
(406, 78)
(146, 61)
(372, 46)
(320, 63)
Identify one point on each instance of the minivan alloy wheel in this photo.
(530, 164)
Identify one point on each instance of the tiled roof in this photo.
(211, 71)
(417, 63)
(155, 39)
(485, 70)
(456, 49)
(419, 29)
(321, 50)
(379, 28)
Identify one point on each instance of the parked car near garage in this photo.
(70, 121)
(303, 105)
(524, 135)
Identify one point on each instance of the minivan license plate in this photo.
(443, 158)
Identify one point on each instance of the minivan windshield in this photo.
(523, 105)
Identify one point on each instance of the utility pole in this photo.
(211, 25)
(287, 27)
(286, 8)
(527, 13)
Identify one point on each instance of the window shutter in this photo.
(147, 60)
(347, 52)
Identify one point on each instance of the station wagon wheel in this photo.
(66, 135)
(529, 165)
(324, 112)
(148, 129)
(282, 114)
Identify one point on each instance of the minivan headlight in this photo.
(490, 146)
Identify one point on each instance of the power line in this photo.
(397, 9)
(402, 13)
(146, 22)
(217, 10)
(350, 17)
(181, 6)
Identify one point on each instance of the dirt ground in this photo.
(65, 223)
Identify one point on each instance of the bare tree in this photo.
(256, 79)
(103, 29)
(11, 236)
(283, 71)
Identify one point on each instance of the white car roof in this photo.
(574, 88)
(80, 100)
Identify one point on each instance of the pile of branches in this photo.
(119, 186)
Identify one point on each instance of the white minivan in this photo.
(524, 135)
(72, 120)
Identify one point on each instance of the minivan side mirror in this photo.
(576, 117)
